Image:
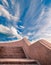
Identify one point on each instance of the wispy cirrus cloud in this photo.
(38, 27)
(35, 16)
(4, 12)
(5, 2)
(43, 25)
(10, 31)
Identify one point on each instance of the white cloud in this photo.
(5, 2)
(32, 11)
(44, 18)
(11, 31)
(13, 2)
(5, 13)
(48, 39)
(29, 33)
(4, 29)
(22, 27)
(42, 29)
(14, 32)
(48, 35)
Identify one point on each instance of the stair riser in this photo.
(18, 64)
(12, 52)
(17, 55)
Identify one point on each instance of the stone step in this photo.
(9, 49)
(12, 52)
(18, 62)
(16, 55)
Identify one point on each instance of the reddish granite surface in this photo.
(40, 50)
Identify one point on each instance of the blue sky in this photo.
(25, 18)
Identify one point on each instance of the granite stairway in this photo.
(14, 56)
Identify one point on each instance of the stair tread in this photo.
(17, 60)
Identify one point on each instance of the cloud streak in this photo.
(43, 25)
(5, 2)
(35, 18)
(4, 12)
(10, 31)
(39, 22)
